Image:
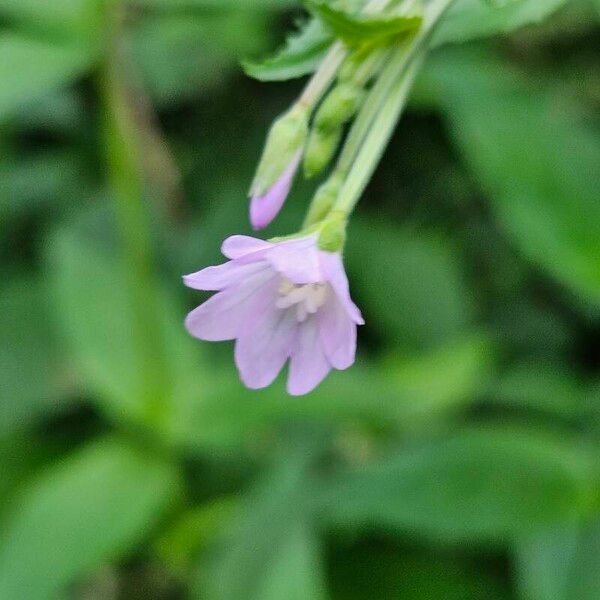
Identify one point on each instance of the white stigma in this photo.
(307, 299)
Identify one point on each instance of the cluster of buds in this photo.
(288, 298)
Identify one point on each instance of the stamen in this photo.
(306, 299)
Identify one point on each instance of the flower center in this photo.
(306, 299)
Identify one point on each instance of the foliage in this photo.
(457, 459)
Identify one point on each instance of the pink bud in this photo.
(263, 209)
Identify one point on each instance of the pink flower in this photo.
(264, 208)
(279, 300)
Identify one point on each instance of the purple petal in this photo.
(222, 276)
(338, 334)
(222, 317)
(237, 246)
(263, 209)
(333, 270)
(297, 259)
(308, 364)
(265, 344)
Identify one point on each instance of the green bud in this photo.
(324, 198)
(321, 148)
(340, 106)
(332, 235)
(286, 139)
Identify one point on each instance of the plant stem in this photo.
(374, 125)
(375, 142)
(321, 81)
(396, 65)
(126, 182)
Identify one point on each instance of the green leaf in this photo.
(471, 19)
(182, 56)
(30, 356)
(271, 551)
(41, 180)
(86, 510)
(29, 69)
(386, 570)
(302, 53)
(409, 283)
(549, 203)
(461, 368)
(481, 484)
(560, 564)
(93, 306)
(64, 18)
(401, 394)
(224, 5)
(356, 28)
(542, 386)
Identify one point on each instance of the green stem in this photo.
(124, 170)
(399, 68)
(375, 142)
(325, 75)
(397, 63)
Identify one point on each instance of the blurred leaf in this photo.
(225, 5)
(31, 68)
(411, 284)
(381, 571)
(302, 53)
(19, 455)
(480, 484)
(542, 386)
(65, 18)
(38, 180)
(181, 56)
(443, 378)
(471, 19)
(272, 552)
(91, 301)
(89, 509)
(549, 202)
(561, 564)
(196, 530)
(30, 382)
(404, 392)
(355, 29)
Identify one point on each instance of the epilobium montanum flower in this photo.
(279, 300)
(288, 299)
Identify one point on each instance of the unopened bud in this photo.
(324, 198)
(340, 106)
(321, 148)
(332, 235)
(285, 140)
(278, 166)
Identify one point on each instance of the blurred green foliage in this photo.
(458, 459)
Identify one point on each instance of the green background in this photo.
(458, 459)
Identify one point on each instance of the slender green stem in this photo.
(124, 170)
(323, 78)
(375, 142)
(398, 61)
(325, 75)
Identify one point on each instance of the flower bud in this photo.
(332, 235)
(340, 106)
(322, 145)
(324, 198)
(278, 166)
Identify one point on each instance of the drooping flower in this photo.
(279, 301)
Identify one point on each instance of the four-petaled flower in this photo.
(279, 301)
